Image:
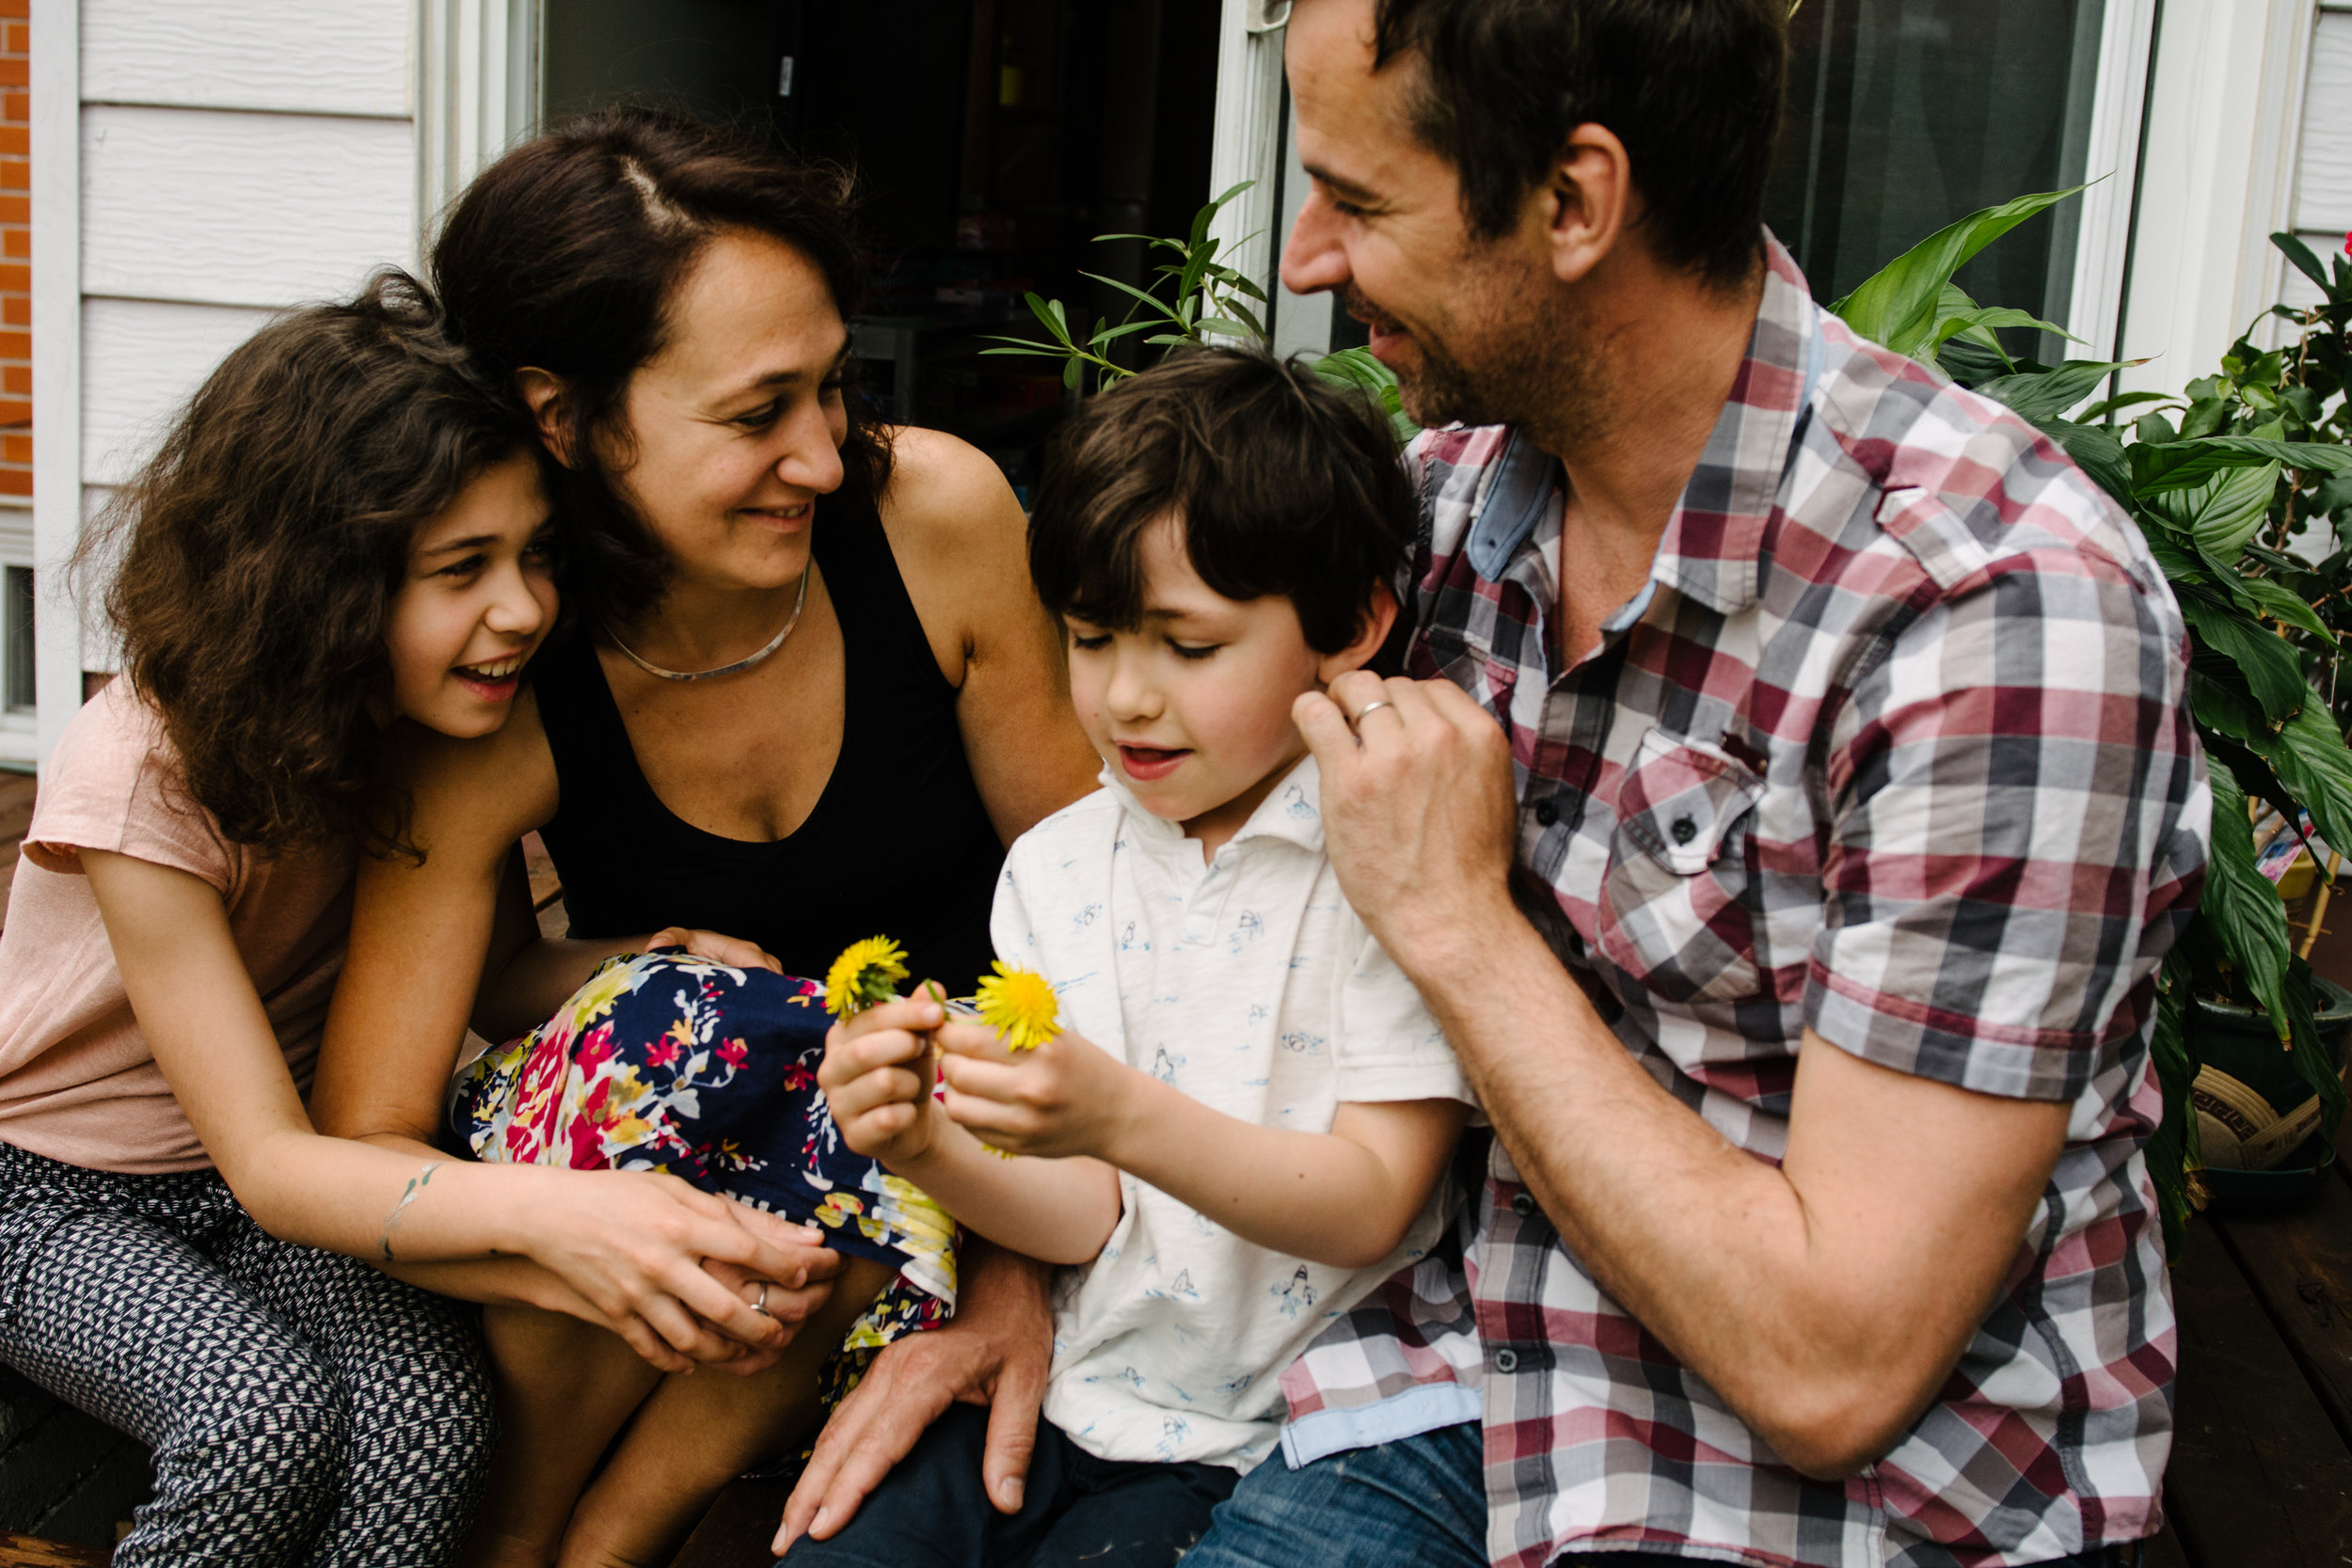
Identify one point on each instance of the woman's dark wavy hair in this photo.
(1285, 482)
(259, 551)
(565, 255)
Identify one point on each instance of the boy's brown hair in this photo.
(1284, 482)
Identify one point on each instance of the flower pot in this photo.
(2257, 1120)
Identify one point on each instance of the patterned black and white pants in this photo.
(303, 1408)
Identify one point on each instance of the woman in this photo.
(809, 697)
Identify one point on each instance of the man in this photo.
(1793, 803)
(1842, 759)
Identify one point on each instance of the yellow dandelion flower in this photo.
(1020, 1006)
(866, 975)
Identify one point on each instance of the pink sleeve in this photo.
(112, 785)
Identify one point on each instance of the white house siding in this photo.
(235, 157)
(2323, 188)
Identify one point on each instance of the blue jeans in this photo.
(932, 1511)
(1418, 1500)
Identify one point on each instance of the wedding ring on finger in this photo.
(760, 1305)
(1369, 709)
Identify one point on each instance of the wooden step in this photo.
(22, 1551)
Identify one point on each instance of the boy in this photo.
(1240, 1131)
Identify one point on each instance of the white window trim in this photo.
(1248, 134)
(2225, 110)
(57, 214)
(477, 93)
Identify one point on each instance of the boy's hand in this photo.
(1067, 1096)
(877, 1078)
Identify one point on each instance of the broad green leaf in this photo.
(2051, 393)
(2281, 605)
(2121, 400)
(2310, 758)
(2241, 906)
(2269, 664)
(1979, 323)
(2159, 465)
(2305, 263)
(2173, 1150)
(2096, 451)
(1897, 302)
(2222, 513)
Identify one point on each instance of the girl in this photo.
(344, 530)
(812, 695)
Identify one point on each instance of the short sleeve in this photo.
(2017, 817)
(112, 785)
(1011, 931)
(1390, 1046)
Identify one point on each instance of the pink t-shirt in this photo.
(77, 1082)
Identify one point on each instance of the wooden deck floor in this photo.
(2261, 1460)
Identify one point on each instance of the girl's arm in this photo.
(1345, 1197)
(961, 546)
(875, 1077)
(633, 1246)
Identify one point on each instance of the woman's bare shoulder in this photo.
(945, 492)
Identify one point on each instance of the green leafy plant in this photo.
(1192, 300)
(2234, 485)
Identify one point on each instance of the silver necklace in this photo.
(799, 603)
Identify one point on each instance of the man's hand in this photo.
(1066, 1097)
(995, 1352)
(1419, 807)
(877, 1078)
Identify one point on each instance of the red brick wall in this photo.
(16, 252)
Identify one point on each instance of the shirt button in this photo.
(1684, 830)
(1547, 812)
(1523, 1205)
(1506, 1360)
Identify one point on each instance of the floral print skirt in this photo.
(666, 1062)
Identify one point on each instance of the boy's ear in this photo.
(1370, 631)
(542, 392)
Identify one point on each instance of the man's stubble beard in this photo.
(1505, 360)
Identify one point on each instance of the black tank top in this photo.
(899, 844)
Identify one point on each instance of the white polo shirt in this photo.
(1249, 983)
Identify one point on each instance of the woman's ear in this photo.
(543, 393)
(1370, 631)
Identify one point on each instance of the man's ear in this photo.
(543, 393)
(1370, 631)
(1588, 201)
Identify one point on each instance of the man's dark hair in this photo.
(1284, 482)
(1693, 87)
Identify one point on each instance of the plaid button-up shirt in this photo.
(1892, 746)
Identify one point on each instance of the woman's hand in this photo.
(639, 1248)
(732, 952)
(1066, 1097)
(877, 1078)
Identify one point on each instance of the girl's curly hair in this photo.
(259, 553)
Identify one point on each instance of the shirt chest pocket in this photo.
(1673, 914)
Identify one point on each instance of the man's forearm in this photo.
(1706, 1246)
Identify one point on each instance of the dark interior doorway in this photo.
(992, 140)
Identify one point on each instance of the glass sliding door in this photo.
(1904, 115)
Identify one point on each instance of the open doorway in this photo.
(992, 140)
